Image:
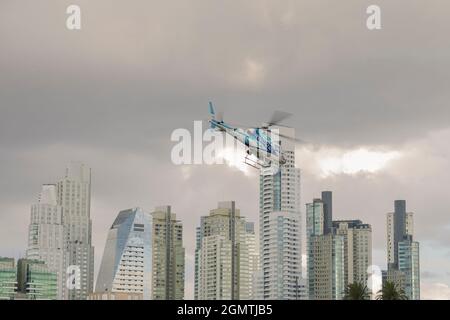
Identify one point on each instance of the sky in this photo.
(371, 106)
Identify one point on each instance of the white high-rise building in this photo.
(223, 256)
(46, 235)
(253, 259)
(279, 227)
(143, 255)
(74, 196)
(126, 265)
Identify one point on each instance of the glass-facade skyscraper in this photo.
(126, 265)
(8, 278)
(408, 263)
(402, 250)
(36, 281)
(144, 255)
(29, 280)
(339, 252)
(325, 251)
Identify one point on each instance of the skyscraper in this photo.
(315, 218)
(326, 277)
(280, 223)
(168, 255)
(281, 269)
(46, 235)
(399, 227)
(402, 250)
(222, 255)
(408, 263)
(126, 265)
(74, 196)
(326, 251)
(253, 259)
(357, 249)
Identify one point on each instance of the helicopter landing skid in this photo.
(252, 163)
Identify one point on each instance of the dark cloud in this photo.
(136, 70)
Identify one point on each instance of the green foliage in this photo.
(356, 291)
(391, 291)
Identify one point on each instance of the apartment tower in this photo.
(280, 225)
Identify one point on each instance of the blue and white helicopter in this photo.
(262, 144)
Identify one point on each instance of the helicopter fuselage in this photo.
(263, 143)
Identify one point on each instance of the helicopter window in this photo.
(247, 141)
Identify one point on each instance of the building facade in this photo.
(8, 278)
(399, 226)
(46, 235)
(395, 276)
(74, 196)
(282, 271)
(326, 277)
(325, 251)
(357, 249)
(402, 250)
(408, 263)
(223, 260)
(36, 281)
(114, 296)
(126, 265)
(280, 225)
(253, 259)
(168, 255)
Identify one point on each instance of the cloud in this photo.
(253, 73)
(429, 275)
(435, 291)
(328, 161)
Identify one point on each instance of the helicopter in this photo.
(262, 144)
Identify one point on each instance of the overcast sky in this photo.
(373, 107)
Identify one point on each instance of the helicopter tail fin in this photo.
(211, 110)
(213, 115)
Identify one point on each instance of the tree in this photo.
(356, 291)
(391, 291)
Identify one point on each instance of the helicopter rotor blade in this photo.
(293, 139)
(241, 126)
(277, 117)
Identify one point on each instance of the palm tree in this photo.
(391, 291)
(356, 291)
